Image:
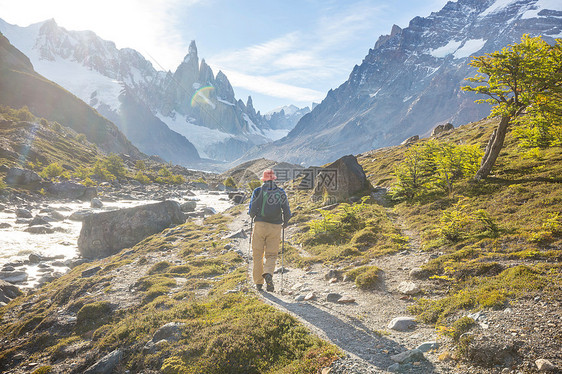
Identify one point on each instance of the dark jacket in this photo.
(274, 208)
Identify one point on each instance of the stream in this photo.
(37, 258)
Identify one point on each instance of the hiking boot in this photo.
(259, 287)
(269, 282)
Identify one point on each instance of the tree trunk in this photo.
(493, 149)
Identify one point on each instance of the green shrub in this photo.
(42, 370)
(52, 170)
(140, 165)
(229, 182)
(93, 314)
(81, 138)
(365, 277)
(142, 178)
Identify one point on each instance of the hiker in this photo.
(269, 209)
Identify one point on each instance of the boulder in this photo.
(23, 213)
(442, 128)
(22, 176)
(8, 291)
(410, 140)
(96, 203)
(106, 233)
(40, 229)
(13, 276)
(72, 190)
(402, 323)
(188, 206)
(39, 220)
(106, 364)
(80, 215)
(342, 179)
(414, 355)
(170, 332)
(408, 288)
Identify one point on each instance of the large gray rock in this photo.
(8, 291)
(106, 233)
(106, 364)
(442, 128)
(72, 190)
(414, 355)
(22, 176)
(402, 323)
(343, 178)
(170, 332)
(17, 276)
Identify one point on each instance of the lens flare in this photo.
(203, 96)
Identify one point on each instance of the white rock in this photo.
(408, 288)
(402, 323)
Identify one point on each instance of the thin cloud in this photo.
(267, 86)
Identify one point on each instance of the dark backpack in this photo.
(271, 202)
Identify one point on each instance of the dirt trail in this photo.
(359, 328)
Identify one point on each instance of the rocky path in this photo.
(357, 321)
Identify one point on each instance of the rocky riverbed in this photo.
(38, 236)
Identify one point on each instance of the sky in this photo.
(280, 52)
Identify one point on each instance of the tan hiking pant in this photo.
(265, 244)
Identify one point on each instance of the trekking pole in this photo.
(250, 241)
(282, 256)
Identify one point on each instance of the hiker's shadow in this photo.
(353, 337)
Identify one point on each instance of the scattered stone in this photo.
(418, 273)
(410, 140)
(5, 225)
(40, 229)
(72, 190)
(346, 300)
(80, 215)
(39, 220)
(13, 276)
(208, 211)
(22, 176)
(281, 270)
(169, 332)
(442, 128)
(188, 206)
(56, 216)
(333, 280)
(8, 291)
(106, 364)
(240, 234)
(106, 233)
(414, 355)
(332, 273)
(23, 213)
(394, 368)
(402, 323)
(408, 288)
(96, 203)
(299, 298)
(91, 271)
(310, 296)
(545, 365)
(428, 346)
(333, 297)
(34, 258)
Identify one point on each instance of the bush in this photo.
(229, 182)
(365, 277)
(81, 138)
(140, 165)
(142, 178)
(52, 170)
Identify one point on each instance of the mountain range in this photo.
(21, 85)
(411, 80)
(180, 116)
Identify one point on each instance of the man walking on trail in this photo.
(269, 208)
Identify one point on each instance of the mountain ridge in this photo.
(410, 81)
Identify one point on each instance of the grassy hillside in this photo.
(493, 244)
(182, 275)
(21, 86)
